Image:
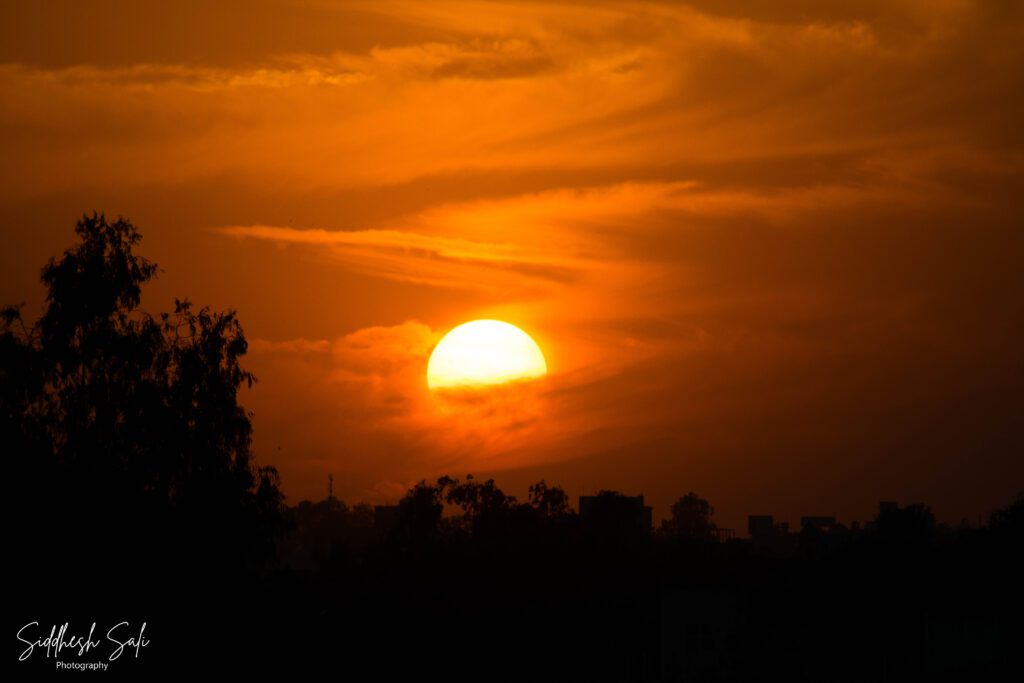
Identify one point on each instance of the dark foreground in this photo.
(541, 597)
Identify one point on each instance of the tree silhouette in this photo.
(419, 513)
(485, 507)
(612, 517)
(131, 419)
(691, 518)
(549, 501)
(1009, 520)
(910, 528)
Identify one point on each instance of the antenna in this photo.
(330, 486)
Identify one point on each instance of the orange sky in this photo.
(772, 255)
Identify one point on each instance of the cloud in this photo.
(474, 59)
(520, 87)
(420, 258)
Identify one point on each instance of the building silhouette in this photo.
(823, 524)
(385, 518)
(612, 514)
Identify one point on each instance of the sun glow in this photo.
(484, 352)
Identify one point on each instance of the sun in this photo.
(482, 353)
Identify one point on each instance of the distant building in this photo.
(760, 526)
(764, 528)
(818, 523)
(765, 532)
(885, 507)
(385, 518)
(613, 513)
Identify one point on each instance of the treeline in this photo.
(586, 596)
(454, 511)
(459, 511)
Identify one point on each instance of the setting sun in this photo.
(484, 352)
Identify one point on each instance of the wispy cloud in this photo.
(426, 259)
(520, 87)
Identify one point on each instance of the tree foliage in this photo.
(125, 415)
(549, 501)
(691, 518)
